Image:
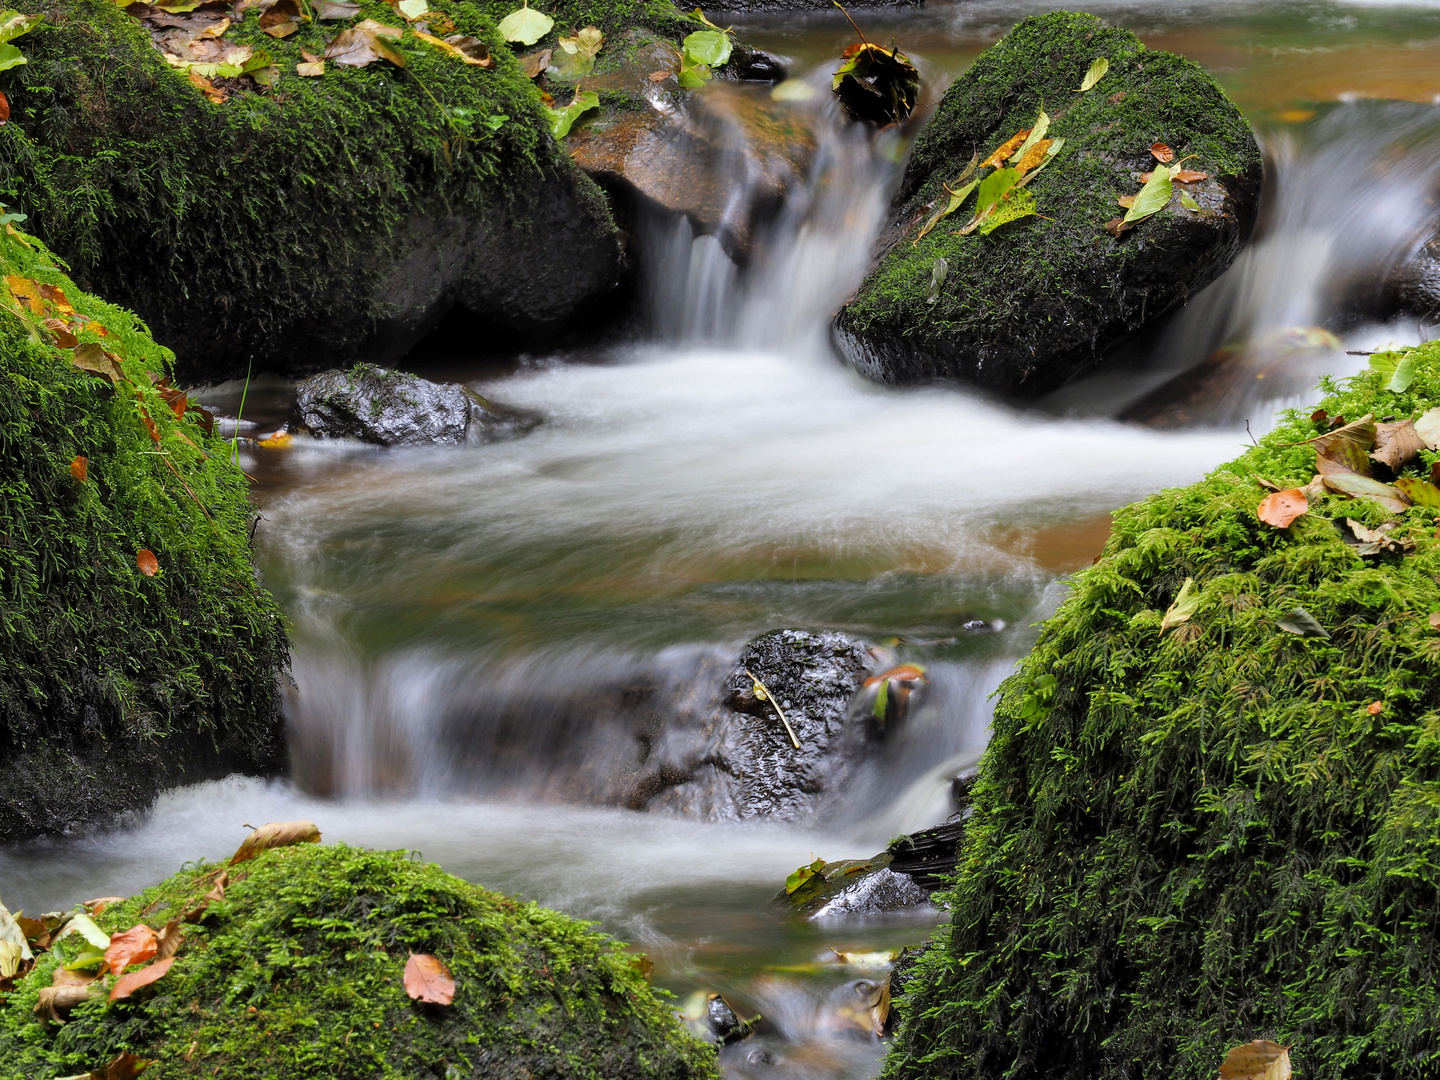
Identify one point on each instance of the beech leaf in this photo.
(1187, 176)
(1396, 444)
(1428, 428)
(168, 940)
(55, 1002)
(939, 271)
(11, 932)
(275, 834)
(360, 46)
(561, 120)
(1005, 149)
(1283, 507)
(1162, 153)
(1368, 541)
(1258, 1060)
(310, 69)
(14, 24)
(1187, 602)
(333, 10)
(1419, 492)
(1018, 204)
(146, 562)
(1355, 486)
(1097, 72)
(1361, 432)
(1188, 202)
(1396, 370)
(1042, 125)
(428, 980)
(1152, 198)
(468, 50)
(135, 946)
(526, 25)
(955, 201)
(128, 984)
(86, 928)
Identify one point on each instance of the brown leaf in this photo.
(168, 940)
(55, 295)
(1368, 541)
(55, 1002)
(1396, 444)
(1283, 507)
(1375, 708)
(359, 48)
(1162, 153)
(467, 49)
(35, 931)
(1258, 1060)
(276, 834)
(1008, 147)
(80, 468)
(100, 903)
(1355, 486)
(308, 56)
(124, 1066)
(4, 109)
(92, 358)
(1341, 456)
(217, 891)
(310, 69)
(329, 10)
(1189, 176)
(1435, 620)
(63, 337)
(534, 63)
(281, 11)
(1268, 485)
(128, 984)
(428, 980)
(206, 87)
(146, 562)
(1127, 201)
(137, 945)
(1116, 226)
(281, 30)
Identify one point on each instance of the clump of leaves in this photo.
(875, 84)
(700, 53)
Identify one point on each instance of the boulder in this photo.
(1186, 835)
(137, 649)
(850, 887)
(1040, 299)
(301, 971)
(391, 408)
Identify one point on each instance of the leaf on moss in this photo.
(26, 293)
(1282, 508)
(526, 25)
(310, 69)
(1186, 603)
(465, 48)
(1301, 622)
(279, 19)
(1435, 620)
(1037, 132)
(213, 93)
(135, 946)
(334, 10)
(1018, 204)
(86, 928)
(1396, 444)
(55, 1002)
(360, 46)
(1162, 153)
(1151, 199)
(276, 834)
(1261, 1059)
(80, 468)
(1427, 426)
(168, 940)
(1368, 541)
(1360, 432)
(1419, 492)
(428, 980)
(799, 878)
(128, 984)
(146, 562)
(413, 9)
(61, 333)
(1036, 155)
(1356, 486)
(954, 202)
(1005, 149)
(1097, 72)
(14, 24)
(4, 109)
(533, 64)
(1396, 370)
(11, 932)
(939, 271)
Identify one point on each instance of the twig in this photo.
(1247, 432)
(170, 465)
(766, 690)
(863, 42)
(1359, 352)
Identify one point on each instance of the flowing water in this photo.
(471, 625)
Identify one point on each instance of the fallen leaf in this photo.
(1162, 153)
(61, 333)
(26, 293)
(428, 980)
(1151, 199)
(465, 48)
(1301, 622)
(955, 199)
(14, 24)
(80, 468)
(1186, 603)
(1035, 155)
(137, 945)
(875, 84)
(1360, 432)
(360, 47)
(10, 958)
(276, 834)
(1005, 149)
(1017, 204)
(55, 1002)
(533, 64)
(1188, 176)
(1188, 202)
(146, 562)
(561, 120)
(1428, 428)
(1396, 369)
(1283, 507)
(1419, 492)
(128, 984)
(1037, 132)
(4, 109)
(279, 19)
(1356, 486)
(310, 69)
(1435, 620)
(413, 9)
(11, 932)
(1368, 541)
(526, 25)
(86, 928)
(802, 876)
(332, 10)
(213, 93)
(1375, 708)
(1396, 444)
(1097, 72)
(168, 940)
(1116, 226)
(1258, 1060)
(939, 271)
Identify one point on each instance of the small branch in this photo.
(766, 690)
(863, 42)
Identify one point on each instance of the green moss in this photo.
(112, 683)
(264, 228)
(1181, 842)
(1049, 286)
(298, 973)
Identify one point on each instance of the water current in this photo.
(468, 622)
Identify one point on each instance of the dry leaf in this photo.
(1117, 226)
(533, 64)
(135, 946)
(206, 87)
(428, 980)
(1187, 602)
(1188, 176)
(1367, 541)
(1435, 619)
(26, 293)
(468, 49)
(1397, 444)
(168, 940)
(80, 468)
(55, 1002)
(4, 109)
(310, 69)
(1363, 487)
(276, 834)
(1375, 708)
(1035, 155)
(327, 10)
(1428, 428)
(1258, 1060)
(1283, 507)
(124, 1066)
(1162, 153)
(146, 562)
(1008, 147)
(63, 337)
(128, 984)
(360, 46)
(1127, 201)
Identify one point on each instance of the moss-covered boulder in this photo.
(318, 221)
(1186, 838)
(118, 674)
(298, 972)
(1040, 299)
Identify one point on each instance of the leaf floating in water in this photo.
(939, 270)
(876, 84)
(1162, 153)
(1261, 1059)
(1282, 508)
(428, 980)
(1186, 603)
(526, 25)
(1302, 623)
(1094, 75)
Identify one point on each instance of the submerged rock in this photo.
(391, 408)
(1039, 300)
(1164, 814)
(300, 972)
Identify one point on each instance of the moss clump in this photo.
(1037, 301)
(303, 226)
(113, 683)
(1184, 841)
(298, 973)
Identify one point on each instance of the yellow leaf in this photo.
(1257, 1060)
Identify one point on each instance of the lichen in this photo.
(298, 973)
(113, 683)
(1182, 841)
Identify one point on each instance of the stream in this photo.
(465, 619)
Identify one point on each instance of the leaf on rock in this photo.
(939, 271)
(1283, 507)
(561, 120)
(526, 25)
(1097, 72)
(146, 562)
(128, 984)
(1188, 202)
(1301, 622)
(1396, 444)
(276, 834)
(1036, 155)
(1186, 603)
(428, 980)
(1151, 199)
(1419, 492)
(709, 47)
(536, 62)
(137, 945)
(1018, 204)
(1162, 153)
(993, 189)
(802, 876)
(1005, 149)
(14, 24)
(1042, 125)
(1261, 1059)
(954, 202)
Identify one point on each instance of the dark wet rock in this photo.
(1040, 300)
(391, 408)
(749, 64)
(725, 1024)
(853, 887)
(901, 975)
(1413, 285)
(756, 7)
(927, 857)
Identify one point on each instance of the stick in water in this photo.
(767, 696)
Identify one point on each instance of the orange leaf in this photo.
(1163, 153)
(124, 1066)
(1283, 507)
(146, 562)
(1008, 147)
(135, 946)
(905, 673)
(128, 984)
(276, 834)
(4, 109)
(1035, 155)
(1375, 708)
(1127, 201)
(63, 337)
(428, 980)
(56, 296)
(80, 468)
(27, 293)
(1189, 176)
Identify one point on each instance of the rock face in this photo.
(1160, 816)
(1039, 300)
(390, 408)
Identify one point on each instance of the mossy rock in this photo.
(114, 684)
(1188, 839)
(1040, 299)
(298, 972)
(324, 220)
